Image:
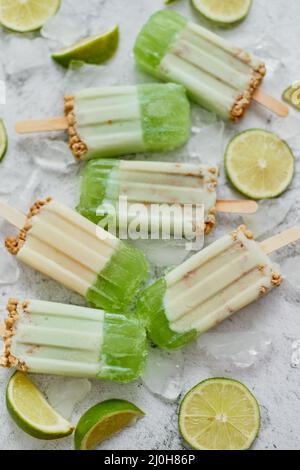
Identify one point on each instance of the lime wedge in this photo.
(292, 95)
(103, 420)
(26, 15)
(225, 12)
(259, 164)
(93, 50)
(32, 413)
(3, 140)
(219, 414)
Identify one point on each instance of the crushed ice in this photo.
(295, 362)
(270, 214)
(163, 253)
(9, 270)
(290, 269)
(239, 349)
(25, 54)
(80, 76)
(64, 30)
(64, 394)
(55, 155)
(163, 373)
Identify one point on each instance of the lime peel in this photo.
(223, 12)
(3, 140)
(31, 412)
(95, 49)
(104, 420)
(29, 15)
(219, 414)
(259, 164)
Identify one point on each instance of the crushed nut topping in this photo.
(8, 359)
(243, 101)
(14, 244)
(77, 146)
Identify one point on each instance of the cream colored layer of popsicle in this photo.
(216, 282)
(66, 247)
(217, 75)
(108, 115)
(58, 339)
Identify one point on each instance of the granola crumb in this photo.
(243, 100)
(77, 146)
(7, 359)
(14, 244)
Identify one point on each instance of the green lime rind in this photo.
(3, 140)
(63, 429)
(102, 411)
(215, 380)
(280, 149)
(292, 95)
(221, 20)
(32, 10)
(151, 310)
(93, 50)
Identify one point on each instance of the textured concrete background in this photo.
(40, 166)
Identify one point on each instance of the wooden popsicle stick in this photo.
(237, 207)
(282, 239)
(59, 123)
(12, 215)
(278, 107)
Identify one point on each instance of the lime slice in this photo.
(223, 11)
(93, 50)
(259, 164)
(219, 414)
(103, 420)
(26, 15)
(32, 413)
(292, 95)
(3, 140)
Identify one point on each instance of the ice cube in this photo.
(64, 30)
(163, 373)
(64, 394)
(80, 76)
(239, 349)
(9, 270)
(271, 213)
(290, 269)
(55, 156)
(25, 54)
(206, 143)
(163, 253)
(295, 354)
(287, 129)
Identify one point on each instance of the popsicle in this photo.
(70, 249)
(210, 286)
(106, 122)
(217, 75)
(53, 338)
(105, 181)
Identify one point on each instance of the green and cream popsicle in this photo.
(206, 289)
(53, 338)
(145, 182)
(70, 249)
(220, 77)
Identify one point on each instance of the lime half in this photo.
(292, 95)
(223, 11)
(103, 420)
(3, 140)
(219, 414)
(259, 164)
(26, 15)
(32, 413)
(93, 50)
